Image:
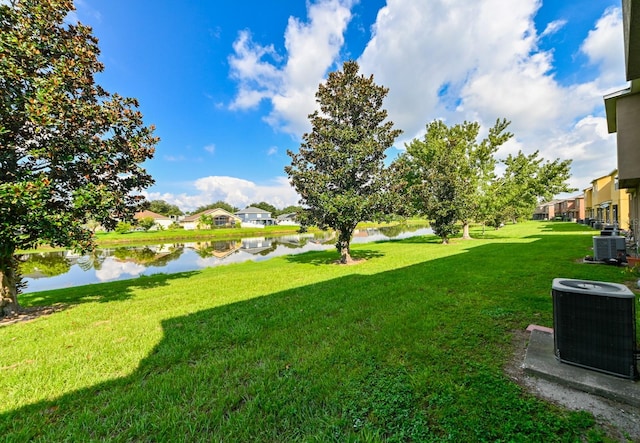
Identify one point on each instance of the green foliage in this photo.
(123, 227)
(164, 208)
(50, 264)
(293, 209)
(69, 150)
(219, 204)
(207, 220)
(339, 170)
(448, 173)
(527, 180)
(146, 223)
(451, 178)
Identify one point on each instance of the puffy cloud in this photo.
(604, 47)
(450, 60)
(290, 85)
(453, 60)
(257, 78)
(113, 269)
(428, 53)
(553, 27)
(235, 191)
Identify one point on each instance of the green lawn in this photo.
(409, 345)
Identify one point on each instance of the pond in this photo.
(54, 270)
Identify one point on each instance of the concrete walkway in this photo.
(613, 400)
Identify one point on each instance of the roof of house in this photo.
(252, 210)
(214, 211)
(611, 174)
(288, 216)
(153, 215)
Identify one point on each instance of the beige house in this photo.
(607, 203)
(588, 203)
(545, 211)
(221, 218)
(159, 219)
(623, 112)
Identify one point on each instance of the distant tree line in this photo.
(166, 209)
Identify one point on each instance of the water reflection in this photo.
(43, 271)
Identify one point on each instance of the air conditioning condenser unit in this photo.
(594, 326)
(608, 247)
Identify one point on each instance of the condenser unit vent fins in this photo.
(594, 325)
(607, 247)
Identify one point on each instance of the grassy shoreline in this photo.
(104, 239)
(408, 345)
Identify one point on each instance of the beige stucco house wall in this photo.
(623, 113)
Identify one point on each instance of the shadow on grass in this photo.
(103, 292)
(412, 354)
(319, 258)
(567, 227)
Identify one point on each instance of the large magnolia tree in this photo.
(339, 170)
(69, 150)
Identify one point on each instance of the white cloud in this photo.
(453, 60)
(235, 191)
(258, 79)
(211, 149)
(290, 84)
(426, 53)
(113, 269)
(553, 27)
(604, 47)
(273, 150)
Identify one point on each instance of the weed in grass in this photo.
(384, 404)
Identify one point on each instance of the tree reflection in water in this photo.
(47, 264)
(42, 271)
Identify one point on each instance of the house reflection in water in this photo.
(220, 249)
(257, 245)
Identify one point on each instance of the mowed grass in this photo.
(409, 345)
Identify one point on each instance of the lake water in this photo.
(54, 270)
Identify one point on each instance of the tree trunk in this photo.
(8, 290)
(344, 240)
(465, 231)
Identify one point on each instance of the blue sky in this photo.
(229, 85)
